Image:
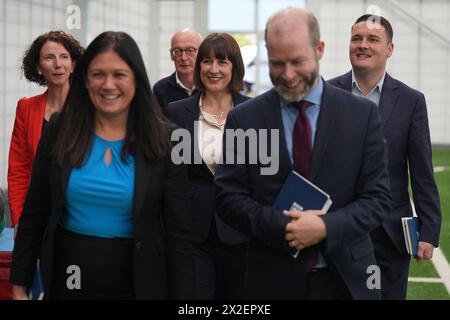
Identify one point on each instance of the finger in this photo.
(289, 237)
(292, 214)
(428, 254)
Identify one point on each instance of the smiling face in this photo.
(111, 85)
(293, 62)
(369, 47)
(55, 64)
(216, 74)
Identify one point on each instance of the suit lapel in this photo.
(272, 115)
(388, 99)
(325, 126)
(143, 173)
(345, 82)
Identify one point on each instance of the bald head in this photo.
(183, 52)
(186, 35)
(293, 21)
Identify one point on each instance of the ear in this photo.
(390, 49)
(172, 57)
(320, 49)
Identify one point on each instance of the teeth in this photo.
(110, 96)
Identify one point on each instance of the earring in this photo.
(39, 72)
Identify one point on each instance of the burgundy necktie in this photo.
(302, 153)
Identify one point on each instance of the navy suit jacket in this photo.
(167, 90)
(348, 162)
(404, 114)
(202, 190)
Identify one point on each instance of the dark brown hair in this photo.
(378, 19)
(146, 126)
(223, 46)
(32, 55)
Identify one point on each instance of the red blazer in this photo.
(24, 141)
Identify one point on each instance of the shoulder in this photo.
(30, 102)
(165, 81)
(339, 81)
(248, 105)
(404, 88)
(346, 101)
(179, 108)
(239, 98)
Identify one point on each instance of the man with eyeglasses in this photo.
(180, 84)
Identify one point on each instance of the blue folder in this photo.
(301, 194)
(411, 228)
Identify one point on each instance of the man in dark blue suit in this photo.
(347, 160)
(404, 115)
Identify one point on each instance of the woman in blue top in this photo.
(106, 209)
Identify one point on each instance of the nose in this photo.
(109, 83)
(183, 55)
(364, 43)
(58, 63)
(214, 67)
(288, 73)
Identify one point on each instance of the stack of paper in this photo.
(411, 227)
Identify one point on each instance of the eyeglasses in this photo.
(179, 51)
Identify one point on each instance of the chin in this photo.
(290, 96)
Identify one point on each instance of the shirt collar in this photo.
(189, 91)
(379, 84)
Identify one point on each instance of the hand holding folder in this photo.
(300, 194)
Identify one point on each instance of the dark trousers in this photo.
(394, 266)
(219, 269)
(104, 267)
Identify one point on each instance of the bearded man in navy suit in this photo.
(346, 158)
(404, 114)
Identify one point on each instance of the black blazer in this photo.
(163, 263)
(404, 114)
(348, 162)
(202, 189)
(167, 90)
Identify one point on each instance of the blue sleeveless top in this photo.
(99, 197)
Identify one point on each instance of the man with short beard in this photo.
(330, 137)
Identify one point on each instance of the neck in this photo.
(113, 128)
(186, 79)
(56, 95)
(367, 80)
(217, 100)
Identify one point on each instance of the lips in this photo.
(363, 55)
